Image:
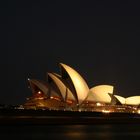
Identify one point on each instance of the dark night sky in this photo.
(100, 40)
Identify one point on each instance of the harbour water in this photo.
(71, 132)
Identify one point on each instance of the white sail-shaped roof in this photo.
(133, 100)
(100, 94)
(80, 87)
(120, 98)
(40, 85)
(61, 87)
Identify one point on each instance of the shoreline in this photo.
(46, 117)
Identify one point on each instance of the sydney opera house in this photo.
(69, 91)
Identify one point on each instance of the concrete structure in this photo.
(69, 91)
(134, 100)
(100, 93)
(64, 91)
(77, 84)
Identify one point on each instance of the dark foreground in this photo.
(44, 117)
(36, 125)
(71, 132)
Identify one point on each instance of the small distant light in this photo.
(98, 104)
(79, 110)
(138, 111)
(39, 92)
(106, 111)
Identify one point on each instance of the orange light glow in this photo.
(106, 111)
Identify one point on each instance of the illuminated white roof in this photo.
(41, 86)
(120, 98)
(133, 100)
(80, 86)
(100, 93)
(61, 86)
(44, 87)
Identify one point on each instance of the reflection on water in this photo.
(73, 132)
